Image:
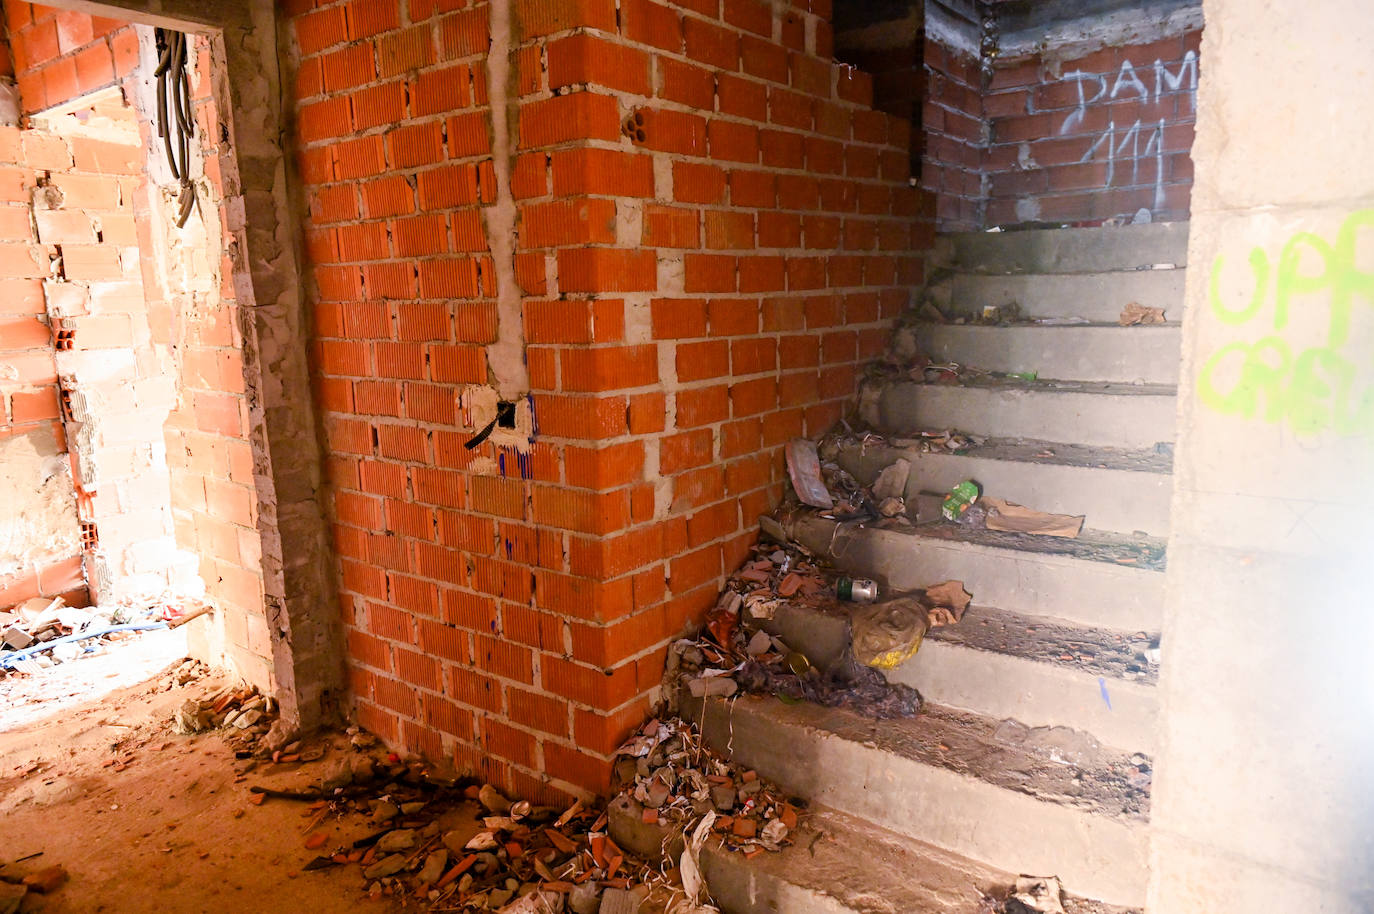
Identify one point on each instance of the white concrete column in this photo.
(1264, 796)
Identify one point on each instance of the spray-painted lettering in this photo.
(1141, 141)
(1286, 375)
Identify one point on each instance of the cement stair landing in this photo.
(954, 780)
(838, 864)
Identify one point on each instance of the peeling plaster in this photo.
(505, 357)
(40, 518)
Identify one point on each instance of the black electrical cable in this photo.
(175, 119)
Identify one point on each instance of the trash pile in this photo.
(678, 780)
(40, 633)
(735, 652)
(1029, 895)
(819, 481)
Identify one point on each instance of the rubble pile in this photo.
(734, 653)
(448, 844)
(243, 712)
(667, 768)
(40, 633)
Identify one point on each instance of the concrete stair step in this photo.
(976, 787)
(1092, 352)
(1097, 297)
(1066, 250)
(1115, 490)
(837, 865)
(1101, 414)
(1042, 672)
(1097, 581)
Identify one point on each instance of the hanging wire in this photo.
(175, 119)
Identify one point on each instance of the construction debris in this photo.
(38, 634)
(682, 783)
(804, 469)
(449, 845)
(734, 653)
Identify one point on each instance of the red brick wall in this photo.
(713, 232)
(954, 134)
(60, 54)
(1095, 137)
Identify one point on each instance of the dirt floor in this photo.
(144, 819)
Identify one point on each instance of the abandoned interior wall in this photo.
(669, 237)
(1083, 118)
(40, 536)
(151, 338)
(1262, 794)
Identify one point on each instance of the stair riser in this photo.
(1000, 686)
(738, 888)
(1093, 594)
(855, 868)
(1105, 420)
(1118, 354)
(1036, 694)
(1097, 297)
(1099, 857)
(1116, 500)
(1066, 250)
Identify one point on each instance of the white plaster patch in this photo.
(672, 272)
(663, 179)
(629, 222)
(40, 520)
(1028, 209)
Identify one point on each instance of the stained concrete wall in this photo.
(1263, 796)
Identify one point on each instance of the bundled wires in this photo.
(175, 120)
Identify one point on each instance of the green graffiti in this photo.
(1318, 389)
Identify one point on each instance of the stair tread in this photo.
(1144, 552)
(1055, 453)
(1095, 652)
(1046, 324)
(841, 863)
(1055, 765)
(1068, 250)
(870, 870)
(984, 381)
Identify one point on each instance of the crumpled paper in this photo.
(1136, 313)
(1003, 515)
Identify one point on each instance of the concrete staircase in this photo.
(1034, 753)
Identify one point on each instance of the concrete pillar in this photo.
(1265, 779)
